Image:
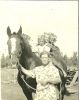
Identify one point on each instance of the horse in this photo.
(21, 53)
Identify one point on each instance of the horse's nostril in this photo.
(14, 59)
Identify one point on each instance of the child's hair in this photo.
(45, 52)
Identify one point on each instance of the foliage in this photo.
(41, 40)
(47, 38)
(8, 62)
(51, 38)
(74, 59)
(3, 61)
(26, 37)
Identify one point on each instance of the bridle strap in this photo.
(28, 84)
(25, 81)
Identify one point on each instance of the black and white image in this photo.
(39, 50)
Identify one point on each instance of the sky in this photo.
(37, 17)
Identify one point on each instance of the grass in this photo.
(10, 90)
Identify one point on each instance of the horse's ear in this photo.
(20, 31)
(8, 31)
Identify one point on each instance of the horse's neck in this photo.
(30, 62)
(23, 61)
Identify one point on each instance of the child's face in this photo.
(45, 59)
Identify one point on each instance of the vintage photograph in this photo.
(39, 50)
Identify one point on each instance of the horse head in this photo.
(20, 50)
(14, 45)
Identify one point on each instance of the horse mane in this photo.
(25, 45)
(27, 53)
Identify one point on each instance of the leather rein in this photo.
(24, 79)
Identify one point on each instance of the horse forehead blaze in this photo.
(13, 44)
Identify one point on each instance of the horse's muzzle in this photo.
(14, 60)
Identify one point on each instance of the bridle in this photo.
(19, 68)
(19, 65)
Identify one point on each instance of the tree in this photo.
(74, 59)
(8, 61)
(50, 39)
(41, 40)
(65, 59)
(3, 61)
(46, 37)
(26, 37)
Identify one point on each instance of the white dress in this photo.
(46, 78)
